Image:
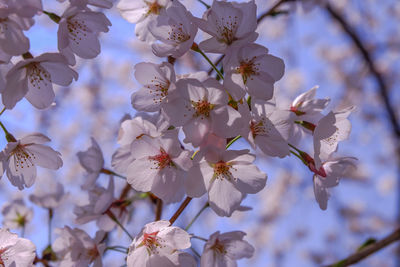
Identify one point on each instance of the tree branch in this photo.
(368, 250)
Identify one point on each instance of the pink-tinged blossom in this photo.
(174, 31)
(202, 108)
(332, 171)
(225, 249)
(83, 3)
(142, 12)
(227, 176)
(20, 157)
(15, 251)
(78, 33)
(16, 214)
(33, 79)
(93, 161)
(330, 130)
(99, 207)
(251, 69)
(160, 166)
(12, 39)
(48, 193)
(131, 131)
(158, 81)
(160, 244)
(267, 128)
(231, 24)
(74, 247)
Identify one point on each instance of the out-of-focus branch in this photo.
(368, 250)
(383, 87)
(269, 12)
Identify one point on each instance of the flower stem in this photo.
(195, 252)
(49, 226)
(180, 210)
(204, 3)
(233, 141)
(54, 17)
(118, 248)
(199, 237)
(2, 111)
(159, 207)
(297, 155)
(112, 217)
(196, 48)
(197, 216)
(110, 172)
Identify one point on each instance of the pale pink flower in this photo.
(158, 84)
(97, 3)
(15, 251)
(330, 130)
(329, 175)
(20, 157)
(225, 249)
(202, 108)
(48, 193)
(307, 107)
(227, 176)
(16, 214)
(267, 128)
(78, 33)
(160, 166)
(93, 161)
(160, 244)
(142, 12)
(74, 247)
(251, 69)
(33, 79)
(231, 24)
(174, 31)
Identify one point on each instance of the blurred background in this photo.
(350, 48)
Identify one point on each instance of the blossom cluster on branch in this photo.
(177, 145)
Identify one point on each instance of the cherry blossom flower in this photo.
(78, 33)
(330, 130)
(74, 247)
(202, 108)
(268, 128)
(15, 251)
(33, 79)
(160, 166)
(159, 244)
(174, 31)
(97, 3)
(227, 176)
(142, 12)
(20, 157)
(158, 83)
(231, 24)
(48, 193)
(225, 249)
(93, 161)
(329, 176)
(250, 68)
(16, 214)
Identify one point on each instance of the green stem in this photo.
(2, 111)
(199, 237)
(233, 141)
(110, 172)
(195, 252)
(198, 50)
(112, 216)
(297, 155)
(49, 226)
(197, 216)
(54, 17)
(117, 249)
(204, 3)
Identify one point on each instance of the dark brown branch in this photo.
(368, 250)
(180, 209)
(159, 207)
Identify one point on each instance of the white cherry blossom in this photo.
(174, 31)
(33, 79)
(231, 24)
(16, 214)
(93, 161)
(74, 247)
(202, 108)
(160, 166)
(142, 12)
(227, 176)
(20, 157)
(78, 33)
(49, 193)
(251, 69)
(225, 249)
(158, 84)
(160, 244)
(15, 251)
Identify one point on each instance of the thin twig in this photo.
(159, 207)
(368, 250)
(180, 209)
